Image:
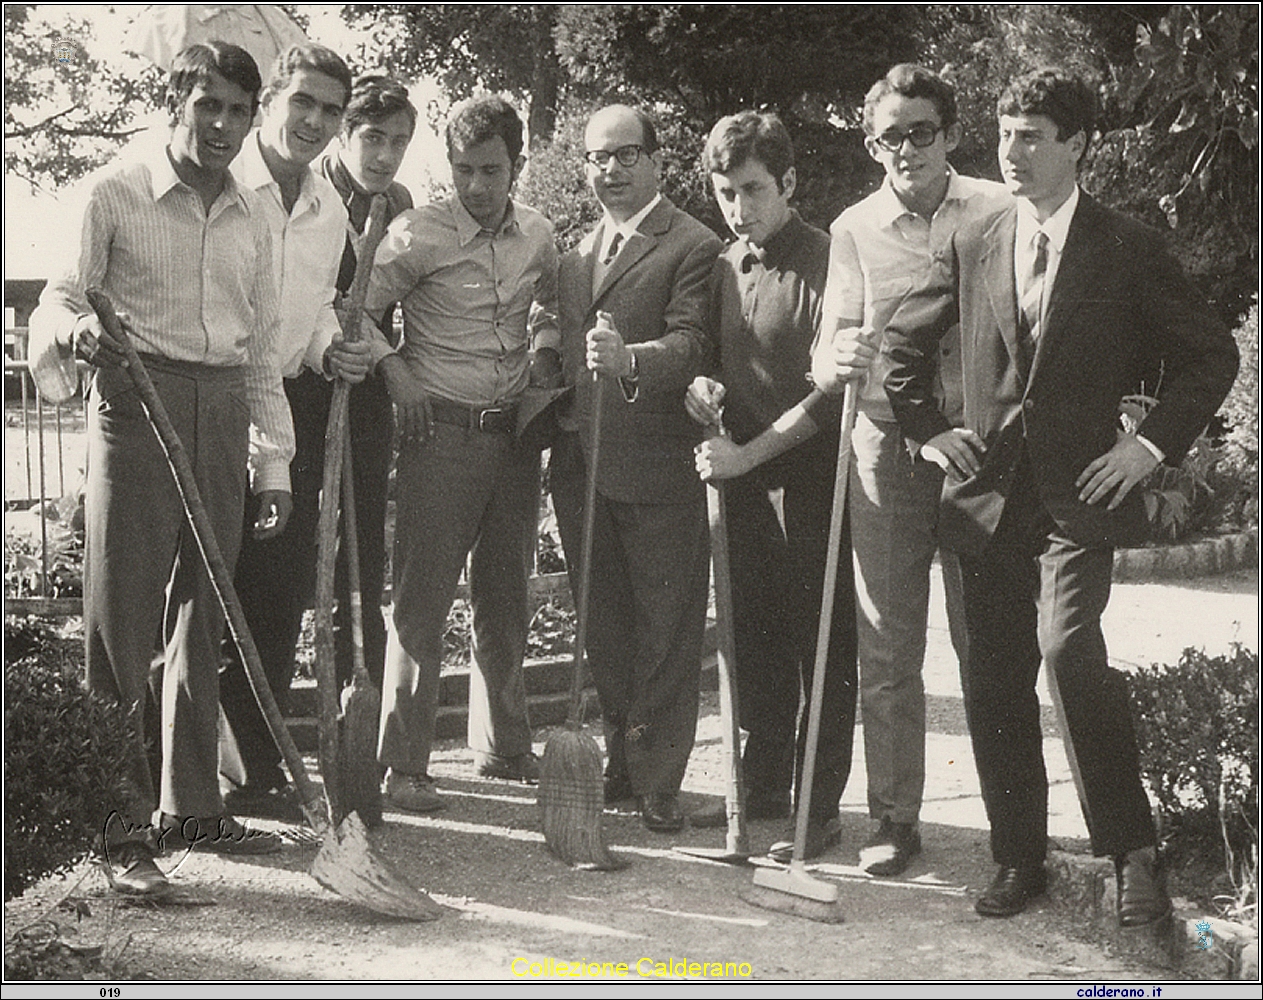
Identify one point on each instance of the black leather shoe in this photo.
(281, 803)
(1141, 897)
(131, 870)
(710, 816)
(217, 834)
(821, 835)
(891, 849)
(524, 767)
(1011, 890)
(661, 812)
(618, 788)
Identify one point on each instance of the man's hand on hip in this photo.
(958, 452)
(274, 510)
(1117, 471)
(412, 404)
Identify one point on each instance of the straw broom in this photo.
(571, 785)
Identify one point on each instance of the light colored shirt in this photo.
(880, 250)
(307, 245)
(467, 295)
(195, 285)
(1056, 227)
(627, 229)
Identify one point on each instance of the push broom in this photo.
(794, 891)
(571, 786)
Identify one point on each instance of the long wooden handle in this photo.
(327, 530)
(204, 532)
(840, 480)
(729, 710)
(575, 719)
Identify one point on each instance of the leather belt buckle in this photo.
(493, 421)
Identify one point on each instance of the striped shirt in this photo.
(307, 248)
(467, 295)
(196, 286)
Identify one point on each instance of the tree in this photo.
(65, 112)
(499, 47)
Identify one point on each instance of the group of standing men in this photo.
(995, 330)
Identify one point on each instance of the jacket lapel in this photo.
(642, 241)
(996, 264)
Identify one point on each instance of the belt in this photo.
(489, 420)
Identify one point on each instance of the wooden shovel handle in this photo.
(204, 532)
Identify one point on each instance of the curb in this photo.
(1086, 887)
(1205, 558)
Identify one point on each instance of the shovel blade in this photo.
(348, 865)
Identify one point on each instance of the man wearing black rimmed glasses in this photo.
(632, 302)
(881, 248)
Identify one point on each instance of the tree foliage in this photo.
(64, 118)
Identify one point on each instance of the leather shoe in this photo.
(821, 835)
(661, 812)
(1011, 890)
(618, 788)
(131, 870)
(218, 834)
(891, 849)
(1141, 897)
(523, 767)
(281, 802)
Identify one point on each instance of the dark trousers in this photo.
(777, 583)
(647, 616)
(1035, 594)
(276, 578)
(144, 576)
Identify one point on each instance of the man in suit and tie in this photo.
(1063, 304)
(632, 302)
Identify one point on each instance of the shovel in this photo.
(346, 864)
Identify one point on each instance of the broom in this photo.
(346, 864)
(348, 760)
(571, 784)
(795, 891)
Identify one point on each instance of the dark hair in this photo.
(480, 119)
(373, 100)
(758, 135)
(909, 80)
(310, 56)
(194, 65)
(1056, 94)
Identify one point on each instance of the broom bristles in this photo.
(572, 799)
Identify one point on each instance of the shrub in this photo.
(1198, 727)
(66, 755)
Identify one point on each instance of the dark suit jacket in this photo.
(657, 292)
(1119, 304)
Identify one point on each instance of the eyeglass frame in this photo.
(907, 136)
(600, 158)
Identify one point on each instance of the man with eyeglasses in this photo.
(633, 309)
(880, 249)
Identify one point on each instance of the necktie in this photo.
(1032, 292)
(616, 244)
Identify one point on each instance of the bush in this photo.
(66, 755)
(1198, 727)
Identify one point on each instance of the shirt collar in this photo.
(631, 225)
(467, 227)
(782, 243)
(164, 179)
(253, 172)
(889, 208)
(1056, 227)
